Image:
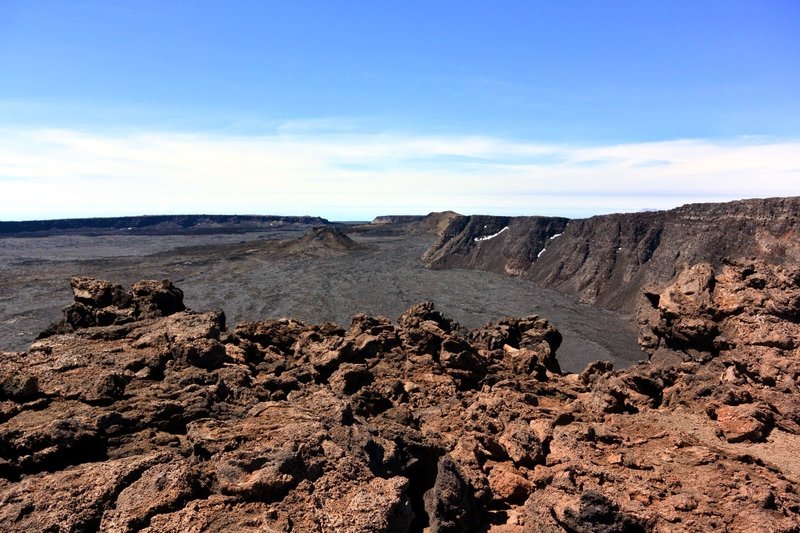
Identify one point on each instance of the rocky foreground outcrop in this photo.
(610, 259)
(136, 414)
(727, 341)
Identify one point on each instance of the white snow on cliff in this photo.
(492, 236)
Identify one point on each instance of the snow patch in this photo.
(540, 253)
(556, 235)
(492, 236)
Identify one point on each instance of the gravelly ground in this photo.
(246, 278)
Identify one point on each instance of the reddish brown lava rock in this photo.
(727, 343)
(740, 423)
(135, 414)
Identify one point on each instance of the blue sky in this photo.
(354, 109)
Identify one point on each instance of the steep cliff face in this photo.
(499, 244)
(609, 259)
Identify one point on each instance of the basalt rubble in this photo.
(727, 342)
(136, 414)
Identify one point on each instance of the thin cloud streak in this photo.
(47, 173)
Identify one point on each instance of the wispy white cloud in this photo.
(305, 168)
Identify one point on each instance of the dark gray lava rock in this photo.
(598, 514)
(450, 504)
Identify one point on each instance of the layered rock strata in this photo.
(609, 260)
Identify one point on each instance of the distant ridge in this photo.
(433, 223)
(158, 224)
(397, 219)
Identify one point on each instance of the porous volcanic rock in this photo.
(101, 303)
(177, 423)
(727, 341)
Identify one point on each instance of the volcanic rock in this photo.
(397, 219)
(433, 223)
(100, 303)
(612, 260)
(328, 237)
(736, 328)
(156, 224)
(168, 421)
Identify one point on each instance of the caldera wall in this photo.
(609, 260)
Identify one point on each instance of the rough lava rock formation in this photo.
(135, 414)
(729, 338)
